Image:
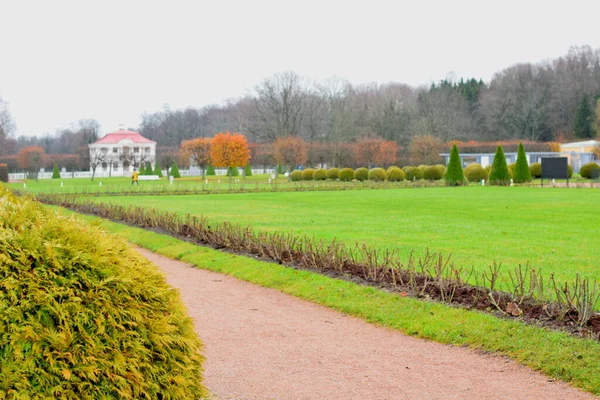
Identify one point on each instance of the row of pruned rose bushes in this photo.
(392, 174)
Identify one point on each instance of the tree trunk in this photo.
(93, 173)
(203, 174)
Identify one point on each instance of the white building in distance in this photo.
(118, 153)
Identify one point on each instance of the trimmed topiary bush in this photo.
(590, 170)
(210, 171)
(55, 172)
(535, 170)
(407, 167)
(346, 174)
(395, 174)
(248, 170)
(434, 173)
(377, 175)
(488, 168)
(422, 168)
(158, 169)
(333, 173)
(296, 175)
(511, 169)
(175, 170)
(361, 174)
(413, 174)
(521, 173)
(570, 171)
(320, 174)
(475, 173)
(454, 175)
(84, 316)
(4, 173)
(308, 174)
(233, 171)
(499, 174)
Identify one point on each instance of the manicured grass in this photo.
(556, 354)
(119, 184)
(552, 229)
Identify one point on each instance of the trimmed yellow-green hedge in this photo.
(84, 316)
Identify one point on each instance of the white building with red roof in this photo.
(120, 152)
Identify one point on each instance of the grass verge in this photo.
(557, 354)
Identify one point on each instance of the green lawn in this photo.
(555, 229)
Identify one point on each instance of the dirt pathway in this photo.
(263, 344)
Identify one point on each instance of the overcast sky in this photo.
(61, 61)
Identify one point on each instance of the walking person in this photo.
(134, 177)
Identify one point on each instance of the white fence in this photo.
(105, 174)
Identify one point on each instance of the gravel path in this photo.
(263, 344)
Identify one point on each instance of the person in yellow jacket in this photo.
(134, 177)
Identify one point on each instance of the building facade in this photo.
(580, 153)
(119, 153)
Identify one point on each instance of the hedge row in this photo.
(83, 316)
(392, 174)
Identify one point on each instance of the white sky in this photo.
(61, 61)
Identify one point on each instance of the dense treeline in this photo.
(549, 101)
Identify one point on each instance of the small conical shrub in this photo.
(210, 171)
(175, 170)
(454, 173)
(157, 169)
(499, 174)
(248, 170)
(55, 172)
(149, 170)
(233, 171)
(521, 173)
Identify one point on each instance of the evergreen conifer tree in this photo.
(583, 127)
(210, 171)
(248, 170)
(157, 169)
(175, 170)
(521, 173)
(499, 174)
(454, 174)
(55, 172)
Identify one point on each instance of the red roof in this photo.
(116, 137)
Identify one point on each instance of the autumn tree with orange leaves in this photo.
(372, 151)
(197, 150)
(31, 160)
(290, 151)
(229, 150)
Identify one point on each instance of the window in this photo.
(125, 150)
(104, 166)
(116, 166)
(115, 150)
(136, 149)
(147, 149)
(104, 150)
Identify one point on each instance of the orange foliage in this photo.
(290, 151)
(368, 151)
(229, 150)
(198, 150)
(31, 158)
(426, 149)
(554, 146)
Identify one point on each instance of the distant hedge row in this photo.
(392, 174)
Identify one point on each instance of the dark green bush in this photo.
(590, 170)
(248, 170)
(361, 174)
(346, 174)
(434, 173)
(570, 171)
(535, 170)
(499, 174)
(521, 173)
(84, 316)
(175, 170)
(377, 175)
(296, 175)
(333, 173)
(475, 173)
(210, 171)
(320, 175)
(3, 173)
(454, 175)
(308, 174)
(413, 174)
(233, 171)
(395, 174)
(55, 172)
(157, 169)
